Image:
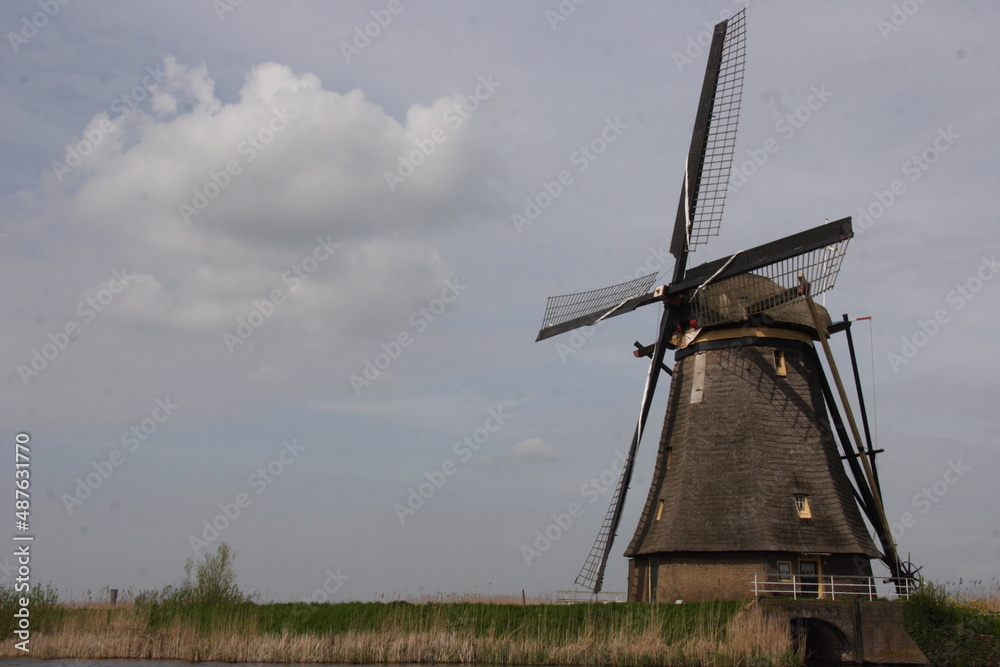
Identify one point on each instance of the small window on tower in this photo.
(779, 363)
(659, 510)
(802, 506)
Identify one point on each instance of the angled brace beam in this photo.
(647, 351)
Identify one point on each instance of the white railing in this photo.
(576, 597)
(830, 587)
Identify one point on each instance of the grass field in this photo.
(719, 633)
(954, 625)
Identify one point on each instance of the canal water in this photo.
(63, 662)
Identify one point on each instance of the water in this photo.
(63, 662)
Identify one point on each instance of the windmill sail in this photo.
(713, 143)
(703, 193)
(731, 290)
(592, 573)
(571, 311)
(766, 255)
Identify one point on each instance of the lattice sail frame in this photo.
(771, 286)
(596, 304)
(592, 571)
(720, 144)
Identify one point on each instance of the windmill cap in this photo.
(757, 301)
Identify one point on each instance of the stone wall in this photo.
(849, 631)
(695, 577)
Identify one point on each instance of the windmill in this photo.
(748, 477)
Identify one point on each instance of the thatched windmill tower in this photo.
(748, 477)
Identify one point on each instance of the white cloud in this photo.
(218, 202)
(295, 204)
(301, 161)
(533, 449)
(193, 85)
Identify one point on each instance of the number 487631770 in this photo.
(22, 499)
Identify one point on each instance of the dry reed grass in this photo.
(749, 638)
(979, 595)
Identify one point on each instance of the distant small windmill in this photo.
(748, 478)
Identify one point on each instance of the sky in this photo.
(273, 273)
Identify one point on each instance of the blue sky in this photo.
(261, 261)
